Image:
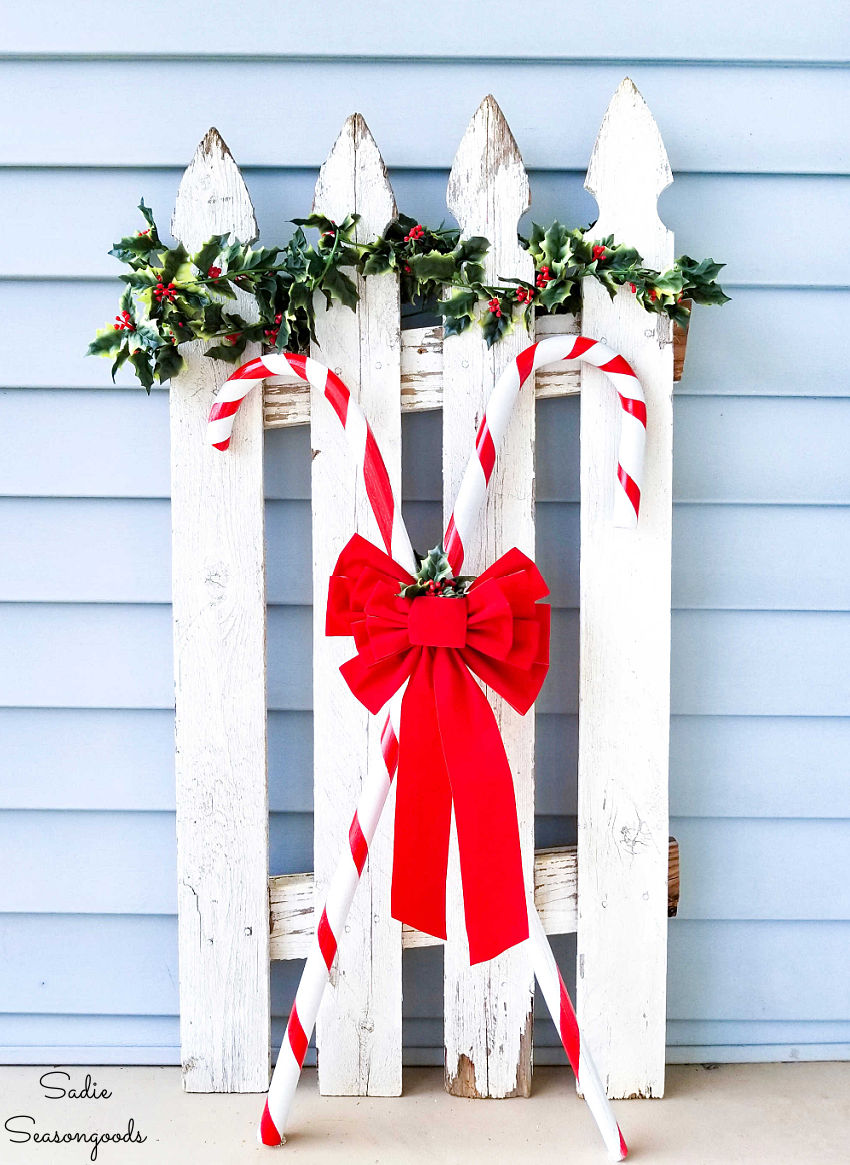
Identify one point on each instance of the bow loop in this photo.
(450, 749)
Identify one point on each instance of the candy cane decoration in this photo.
(358, 434)
(479, 469)
(469, 501)
(346, 876)
(563, 1015)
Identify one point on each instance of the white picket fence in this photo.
(232, 917)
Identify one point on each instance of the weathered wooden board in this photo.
(219, 616)
(555, 895)
(359, 1028)
(287, 399)
(624, 690)
(488, 1008)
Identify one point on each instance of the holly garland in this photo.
(171, 297)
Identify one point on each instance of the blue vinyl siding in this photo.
(761, 625)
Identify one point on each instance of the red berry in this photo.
(634, 289)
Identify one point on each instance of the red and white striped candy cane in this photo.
(479, 469)
(373, 796)
(461, 524)
(358, 434)
(563, 1016)
(468, 505)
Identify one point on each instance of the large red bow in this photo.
(450, 748)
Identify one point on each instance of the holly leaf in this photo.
(556, 293)
(168, 362)
(456, 325)
(710, 294)
(434, 565)
(106, 342)
(221, 287)
(211, 249)
(495, 327)
(228, 352)
(379, 263)
(141, 362)
(120, 359)
(335, 284)
(176, 268)
(433, 266)
(556, 244)
(473, 249)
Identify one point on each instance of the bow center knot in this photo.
(437, 622)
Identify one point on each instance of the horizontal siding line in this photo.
(690, 921)
(309, 712)
(24, 277)
(421, 59)
(67, 604)
(267, 168)
(91, 811)
(742, 503)
(47, 708)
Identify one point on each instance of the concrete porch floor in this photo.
(747, 1113)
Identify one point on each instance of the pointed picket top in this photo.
(212, 198)
(354, 178)
(628, 170)
(487, 175)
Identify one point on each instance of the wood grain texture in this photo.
(624, 695)
(287, 399)
(555, 895)
(219, 662)
(488, 1007)
(359, 1028)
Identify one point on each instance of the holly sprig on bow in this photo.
(231, 294)
(434, 577)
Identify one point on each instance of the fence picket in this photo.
(488, 1008)
(625, 639)
(219, 611)
(359, 1028)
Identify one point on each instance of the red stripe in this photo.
(568, 1028)
(583, 344)
(623, 1147)
(618, 364)
(359, 847)
(327, 941)
(297, 363)
(338, 395)
(268, 1131)
(297, 1039)
(631, 488)
(378, 488)
(224, 408)
(454, 546)
(389, 748)
(253, 370)
(525, 363)
(221, 444)
(636, 407)
(485, 449)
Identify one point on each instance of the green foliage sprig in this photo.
(435, 577)
(171, 297)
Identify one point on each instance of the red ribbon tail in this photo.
(485, 812)
(423, 810)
